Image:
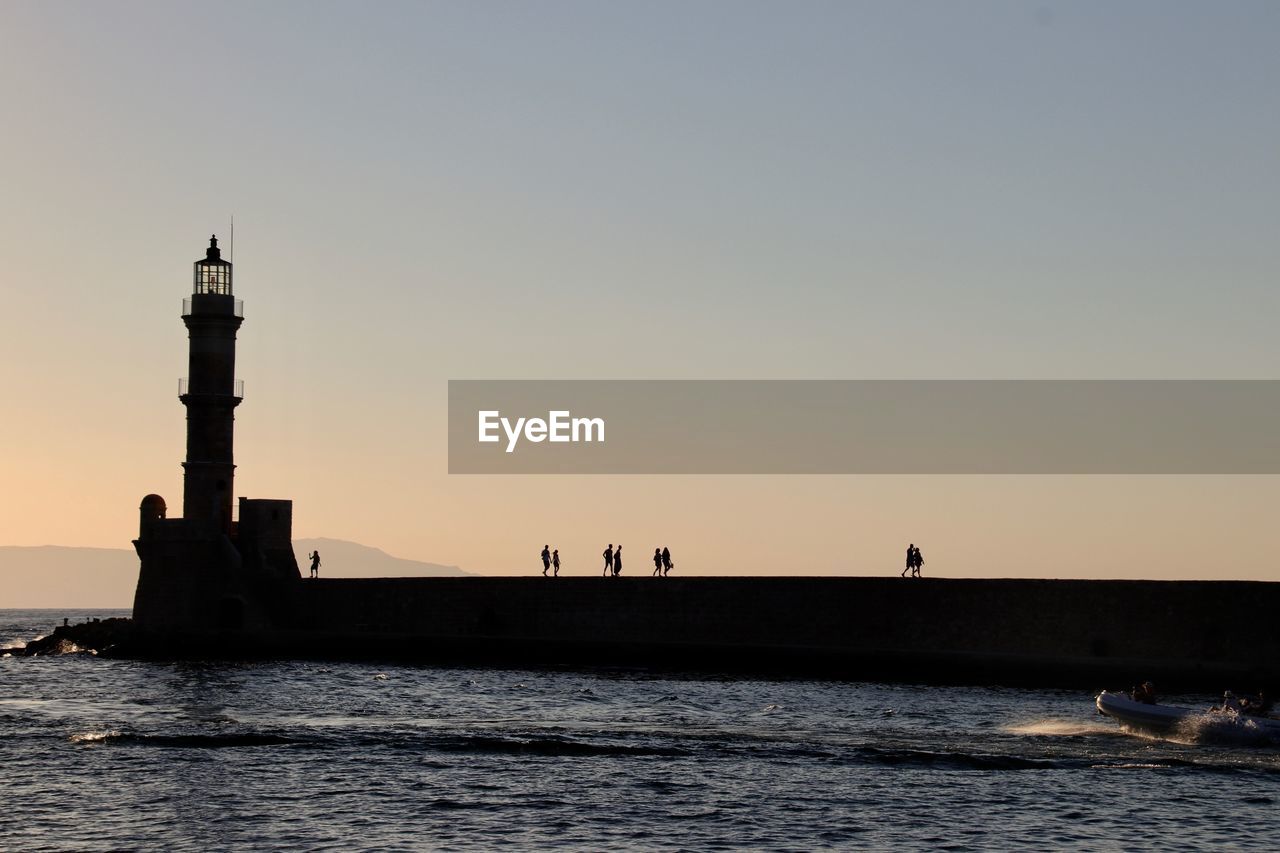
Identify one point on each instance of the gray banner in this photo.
(864, 427)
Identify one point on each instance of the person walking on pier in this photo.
(608, 560)
(911, 561)
(314, 556)
(546, 559)
(916, 562)
(666, 561)
(657, 562)
(617, 561)
(555, 562)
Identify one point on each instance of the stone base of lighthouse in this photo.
(197, 581)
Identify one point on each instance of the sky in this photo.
(720, 190)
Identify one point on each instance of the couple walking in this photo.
(550, 558)
(612, 561)
(914, 561)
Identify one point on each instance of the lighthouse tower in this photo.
(203, 575)
(210, 392)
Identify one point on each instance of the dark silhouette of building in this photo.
(207, 570)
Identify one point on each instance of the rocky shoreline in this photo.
(106, 637)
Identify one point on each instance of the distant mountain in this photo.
(57, 576)
(342, 559)
(54, 576)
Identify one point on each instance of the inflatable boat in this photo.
(1156, 718)
(1162, 718)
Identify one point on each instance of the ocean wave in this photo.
(199, 740)
(522, 744)
(952, 760)
(447, 804)
(1209, 763)
(93, 737)
(547, 746)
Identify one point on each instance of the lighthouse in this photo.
(205, 574)
(210, 390)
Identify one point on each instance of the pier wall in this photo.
(980, 631)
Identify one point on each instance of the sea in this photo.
(99, 754)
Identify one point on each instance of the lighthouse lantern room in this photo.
(212, 273)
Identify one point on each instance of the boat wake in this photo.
(1060, 728)
(1224, 729)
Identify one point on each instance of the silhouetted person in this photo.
(1256, 706)
(617, 561)
(657, 562)
(555, 561)
(916, 563)
(911, 561)
(608, 560)
(315, 564)
(666, 561)
(546, 559)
